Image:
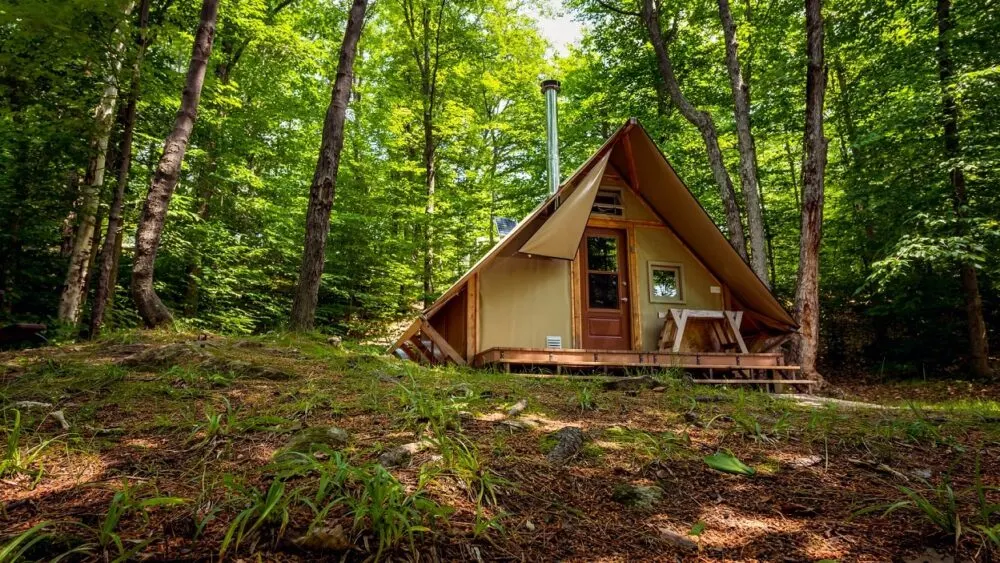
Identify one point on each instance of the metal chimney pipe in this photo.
(551, 90)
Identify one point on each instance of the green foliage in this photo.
(104, 540)
(726, 462)
(463, 460)
(20, 544)
(271, 508)
(324, 480)
(216, 425)
(19, 460)
(658, 447)
(384, 507)
(231, 249)
(966, 513)
(585, 398)
(434, 409)
(196, 377)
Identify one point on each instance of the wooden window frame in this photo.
(677, 267)
(620, 206)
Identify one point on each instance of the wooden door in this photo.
(604, 290)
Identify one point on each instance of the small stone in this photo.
(806, 461)
(518, 408)
(570, 443)
(335, 341)
(518, 425)
(529, 525)
(324, 538)
(32, 405)
(677, 539)
(388, 378)
(401, 454)
(660, 389)
(923, 473)
(637, 496)
(631, 383)
(61, 418)
(710, 399)
(329, 436)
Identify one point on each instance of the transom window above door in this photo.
(608, 202)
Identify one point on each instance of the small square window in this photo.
(666, 283)
(608, 202)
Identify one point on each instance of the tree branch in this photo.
(618, 10)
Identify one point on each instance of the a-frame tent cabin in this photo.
(620, 267)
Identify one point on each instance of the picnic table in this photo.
(724, 326)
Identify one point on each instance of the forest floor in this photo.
(276, 449)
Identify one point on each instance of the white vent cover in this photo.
(553, 341)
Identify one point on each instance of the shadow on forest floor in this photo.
(186, 445)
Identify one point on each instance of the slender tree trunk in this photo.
(854, 161)
(425, 47)
(74, 287)
(700, 119)
(111, 250)
(232, 50)
(324, 183)
(807, 287)
(978, 343)
(231, 53)
(748, 151)
(430, 184)
(154, 213)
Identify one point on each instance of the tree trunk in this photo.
(324, 182)
(430, 183)
(74, 287)
(978, 343)
(748, 152)
(110, 251)
(232, 50)
(807, 287)
(154, 213)
(700, 119)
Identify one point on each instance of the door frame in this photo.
(629, 274)
(576, 296)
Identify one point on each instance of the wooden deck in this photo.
(755, 369)
(619, 358)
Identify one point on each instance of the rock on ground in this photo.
(401, 454)
(324, 538)
(570, 443)
(631, 383)
(518, 408)
(329, 436)
(637, 496)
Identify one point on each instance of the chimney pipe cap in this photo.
(550, 84)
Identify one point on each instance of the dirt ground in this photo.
(174, 443)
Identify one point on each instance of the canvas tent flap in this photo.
(560, 236)
(677, 206)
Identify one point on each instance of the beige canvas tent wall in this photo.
(527, 292)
